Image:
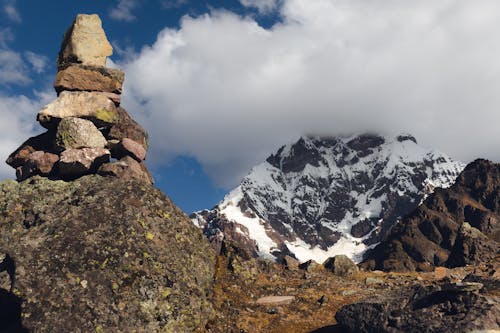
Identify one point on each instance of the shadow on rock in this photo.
(10, 313)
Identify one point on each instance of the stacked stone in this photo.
(87, 130)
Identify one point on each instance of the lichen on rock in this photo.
(104, 252)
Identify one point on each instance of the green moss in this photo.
(107, 116)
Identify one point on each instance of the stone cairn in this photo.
(87, 130)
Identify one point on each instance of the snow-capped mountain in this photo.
(323, 196)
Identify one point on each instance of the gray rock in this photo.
(78, 162)
(78, 133)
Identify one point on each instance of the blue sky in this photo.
(220, 85)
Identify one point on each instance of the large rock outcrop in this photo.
(446, 308)
(453, 227)
(100, 255)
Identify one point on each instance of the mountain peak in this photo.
(327, 195)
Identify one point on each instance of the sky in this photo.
(220, 85)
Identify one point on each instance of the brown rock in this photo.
(78, 162)
(37, 163)
(128, 147)
(440, 273)
(126, 168)
(78, 133)
(91, 105)
(126, 127)
(291, 263)
(42, 142)
(340, 265)
(89, 78)
(85, 42)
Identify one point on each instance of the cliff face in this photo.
(100, 255)
(453, 227)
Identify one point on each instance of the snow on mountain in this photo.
(323, 196)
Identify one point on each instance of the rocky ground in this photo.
(318, 295)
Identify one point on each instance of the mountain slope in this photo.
(453, 227)
(323, 196)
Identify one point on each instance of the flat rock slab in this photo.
(275, 300)
(85, 42)
(89, 78)
(91, 105)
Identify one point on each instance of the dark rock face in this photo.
(319, 191)
(445, 308)
(100, 255)
(453, 227)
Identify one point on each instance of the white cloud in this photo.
(13, 70)
(264, 6)
(11, 11)
(18, 114)
(228, 92)
(37, 61)
(123, 10)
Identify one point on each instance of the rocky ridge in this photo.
(453, 227)
(86, 127)
(323, 196)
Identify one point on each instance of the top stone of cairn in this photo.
(85, 43)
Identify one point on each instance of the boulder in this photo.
(78, 162)
(310, 266)
(85, 42)
(78, 133)
(340, 265)
(42, 142)
(37, 163)
(126, 127)
(423, 309)
(91, 105)
(100, 255)
(291, 263)
(89, 78)
(126, 168)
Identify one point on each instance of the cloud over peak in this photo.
(228, 92)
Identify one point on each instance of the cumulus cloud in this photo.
(264, 6)
(123, 10)
(228, 92)
(18, 114)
